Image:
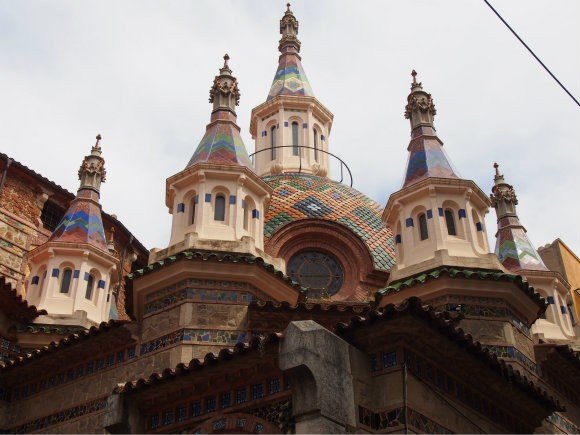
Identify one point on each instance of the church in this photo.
(285, 301)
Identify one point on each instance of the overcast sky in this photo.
(139, 73)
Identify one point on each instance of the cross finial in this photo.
(226, 58)
(98, 143)
(496, 166)
(414, 74)
(288, 6)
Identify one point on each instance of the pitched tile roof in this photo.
(491, 275)
(303, 196)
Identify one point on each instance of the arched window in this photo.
(66, 279)
(192, 211)
(273, 142)
(315, 144)
(90, 287)
(220, 208)
(423, 231)
(450, 221)
(295, 139)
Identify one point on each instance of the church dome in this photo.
(299, 197)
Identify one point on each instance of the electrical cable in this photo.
(530, 50)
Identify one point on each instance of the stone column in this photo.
(319, 366)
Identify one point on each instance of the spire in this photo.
(426, 155)
(290, 78)
(513, 248)
(222, 143)
(224, 93)
(82, 223)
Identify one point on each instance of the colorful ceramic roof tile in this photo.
(513, 247)
(426, 155)
(491, 275)
(82, 223)
(222, 143)
(290, 78)
(303, 196)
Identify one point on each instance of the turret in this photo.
(217, 201)
(437, 217)
(74, 272)
(291, 128)
(517, 254)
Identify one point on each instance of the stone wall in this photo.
(75, 404)
(19, 198)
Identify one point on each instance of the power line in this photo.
(533, 54)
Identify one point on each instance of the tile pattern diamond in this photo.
(302, 196)
(290, 78)
(426, 158)
(222, 144)
(82, 223)
(513, 247)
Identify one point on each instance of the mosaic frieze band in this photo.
(479, 306)
(395, 419)
(61, 416)
(228, 400)
(202, 336)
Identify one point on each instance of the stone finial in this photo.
(92, 171)
(289, 32)
(224, 93)
(420, 108)
(98, 142)
(501, 191)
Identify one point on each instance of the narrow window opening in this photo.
(450, 221)
(273, 143)
(66, 279)
(220, 208)
(90, 287)
(246, 217)
(295, 138)
(423, 230)
(193, 205)
(315, 145)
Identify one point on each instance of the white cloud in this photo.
(139, 73)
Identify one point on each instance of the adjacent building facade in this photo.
(284, 301)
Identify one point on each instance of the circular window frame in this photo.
(328, 261)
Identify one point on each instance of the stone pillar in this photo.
(319, 365)
(122, 416)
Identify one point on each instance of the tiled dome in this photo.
(302, 196)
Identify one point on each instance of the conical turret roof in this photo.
(513, 247)
(222, 143)
(426, 155)
(82, 223)
(290, 78)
